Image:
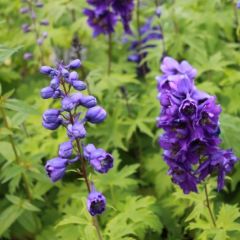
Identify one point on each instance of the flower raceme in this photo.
(30, 9)
(104, 15)
(190, 120)
(64, 79)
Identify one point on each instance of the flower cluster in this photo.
(105, 13)
(29, 8)
(190, 120)
(63, 80)
(138, 47)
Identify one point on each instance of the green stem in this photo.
(109, 53)
(17, 158)
(208, 206)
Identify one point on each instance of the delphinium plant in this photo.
(34, 25)
(190, 120)
(147, 33)
(63, 81)
(103, 17)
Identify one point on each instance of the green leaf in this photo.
(6, 52)
(9, 216)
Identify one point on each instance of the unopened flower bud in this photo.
(88, 101)
(76, 130)
(47, 92)
(56, 168)
(45, 70)
(27, 56)
(65, 149)
(96, 114)
(96, 203)
(67, 104)
(44, 22)
(79, 85)
(54, 83)
(75, 64)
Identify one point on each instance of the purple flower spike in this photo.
(96, 203)
(63, 85)
(96, 114)
(56, 168)
(190, 120)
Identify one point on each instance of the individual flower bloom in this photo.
(44, 22)
(96, 114)
(101, 23)
(27, 56)
(24, 10)
(40, 41)
(96, 203)
(223, 161)
(88, 101)
(79, 85)
(47, 92)
(188, 107)
(51, 115)
(100, 160)
(65, 149)
(184, 179)
(55, 82)
(45, 35)
(209, 113)
(65, 73)
(75, 64)
(171, 67)
(26, 28)
(76, 130)
(56, 168)
(67, 104)
(46, 70)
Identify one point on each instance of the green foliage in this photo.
(142, 202)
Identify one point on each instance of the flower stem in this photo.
(83, 167)
(209, 207)
(109, 53)
(17, 158)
